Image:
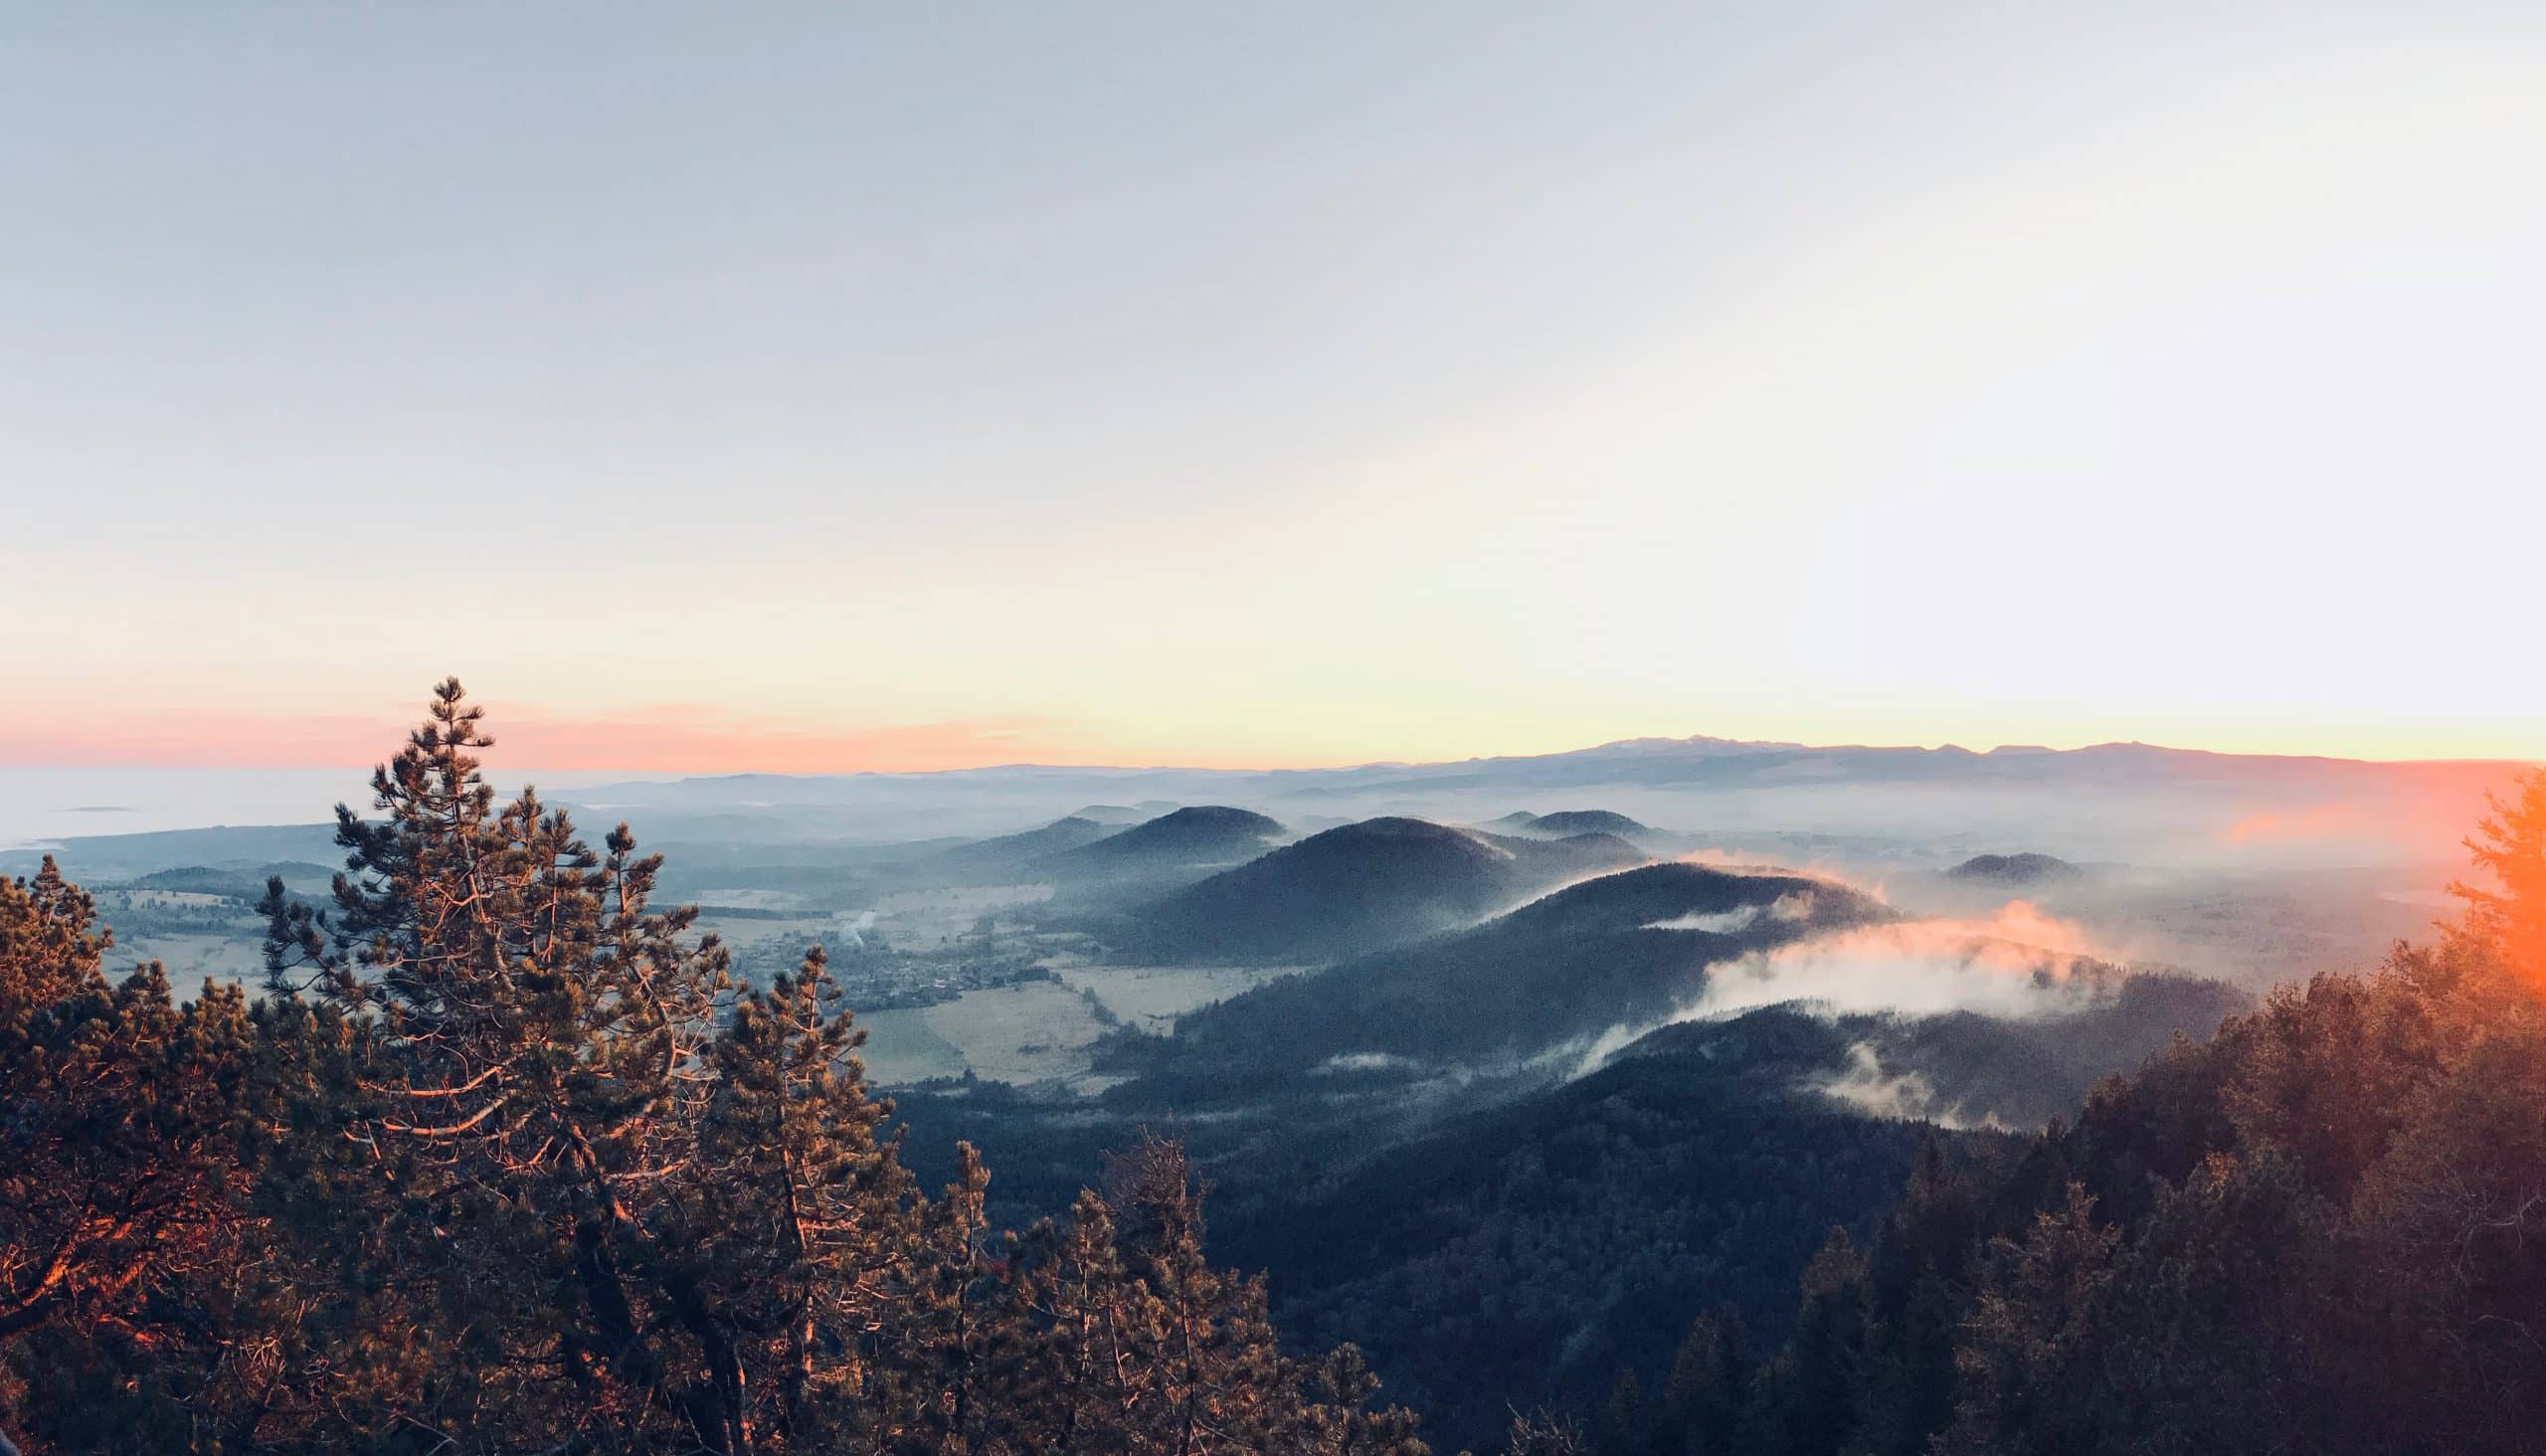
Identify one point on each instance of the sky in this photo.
(834, 387)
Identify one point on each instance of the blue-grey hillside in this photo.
(1007, 851)
(1364, 887)
(1583, 821)
(2014, 869)
(1559, 971)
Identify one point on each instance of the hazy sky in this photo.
(910, 385)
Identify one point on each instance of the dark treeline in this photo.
(2322, 1229)
(508, 1162)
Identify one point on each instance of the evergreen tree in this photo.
(798, 1220)
(1709, 1380)
(2509, 845)
(1828, 1350)
(127, 1312)
(2034, 1313)
(656, 1201)
(1923, 1256)
(1626, 1422)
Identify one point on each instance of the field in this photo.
(1150, 997)
(902, 1047)
(1033, 1033)
(195, 961)
(920, 918)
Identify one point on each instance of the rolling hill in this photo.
(1584, 821)
(1555, 974)
(1003, 850)
(1363, 887)
(2013, 869)
(1152, 856)
(238, 883)
(1117, 815)
(1596, 1216)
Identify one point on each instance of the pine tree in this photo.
(1708, 1385)
(1913, 1273)
(799, 1226)
(1109, 1331)
(1828, 1349)
(2510, 846)
(643, 1194)
(1626, 1423)
(2039, 1301)
(933, 1358)
(128, 1233)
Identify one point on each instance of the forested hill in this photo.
(1363, 887)
(1583, 821)
(1562, 969)
(1159, 854)
(2322, 1229)
(1008, 851)
(1702, 1165)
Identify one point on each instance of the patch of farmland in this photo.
(902, 1047)
(1150, 997)
(1035, 1032)
(920, 917)
(195, 961)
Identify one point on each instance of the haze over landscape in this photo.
(1642, 730)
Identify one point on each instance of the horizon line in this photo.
(1735, 747)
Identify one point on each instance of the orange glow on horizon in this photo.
(665, 740)
(705, 740)
(672, 739)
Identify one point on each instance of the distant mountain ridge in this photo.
(1639, 758)
(1701, 766)
(2066, 800)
